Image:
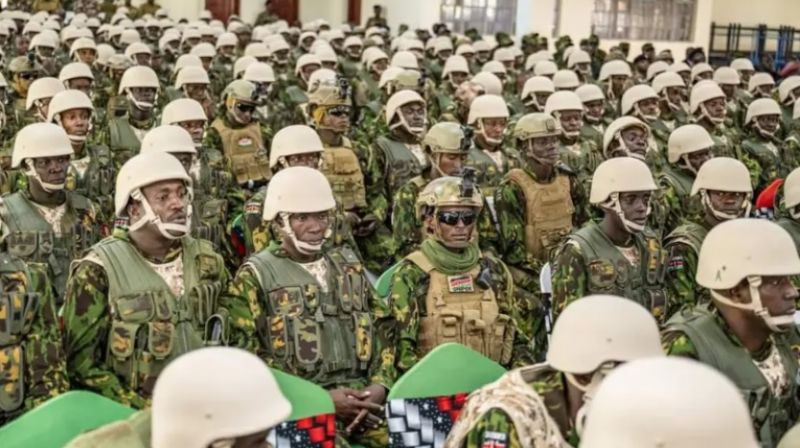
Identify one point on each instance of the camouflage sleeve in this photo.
(212, 140)
(671, 208)
(383, 370)
(86, 326)
(103, 136)
(511, 216)
(513, 304)
(580, 201)
(752, 165)
(680, 276)
(406, 228)
(374, 179)
(45, 363)
(405, 314)
(791, 151)
(243, 308)
(266, 135)
(494, 429)
(256, 230)
(569, 277)
(676, 343)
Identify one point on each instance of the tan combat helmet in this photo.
(142, 77)
(239, 92)
(393, 110)
(562, 101)
(293, 140)
(206, 397)
(759, 108)
(791, 193)
(170, 139)
(761, 81)
(533, 86)
(536, 125)
(298, 189)
(701, 92)
(446, 138)
(448, 191)
(723, 174)
(695, 407)
(40, 90)
(787, 88)
(620, 175)
(747, 249)
(685, 140)
(487, 106)
(327, 95)
(36, 141)
(614, 131)
(631, 98)
(69, 100)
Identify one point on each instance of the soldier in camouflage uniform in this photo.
(350, 60)
(123, 135)
(300, 297)
(641, 102)
(724, 190)
(223, 61)
(579, 154)
(455, 72)
(108, 95)
(708, 108)
(544, 405)
(366, 87)
(791, 144)
(532, 227)
(762, 152)
(91, 172)
(788, 92)
(790, 221)
(615, 78)
(446, 146)
(242, 139)
(749, 334)
(44, 223)
(535, 92)
(594, 104)
(729, 81)
(79, 76)
(146, 295)
(618, 254)
(442, 50)
(448, 291)
(671, 91)
(761, 85)
(32, 363)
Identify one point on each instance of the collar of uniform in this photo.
(758, 355)
(143, 124)
(276, 249)
(173, 253)
(533, 175)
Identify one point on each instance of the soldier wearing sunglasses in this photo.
(448, 291)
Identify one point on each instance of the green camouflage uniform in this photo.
(32, 364)
(683, 246)
(92, 174)
(441, 102)
(593, 132)
(791, 148)
(123, 136)
(122, 321)
(589, 263)
(764, 159)
(705, 336)
(350, 68)
(489, 173)
(675, 203)
(727, 141)
(581, 157)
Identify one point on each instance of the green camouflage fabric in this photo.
(791, 148)
(764, 159)
(406, 303)
(365, 89)
(350, 68)
(673, 203)
(683, 248)
(441, 102)
(496, 424)
(593, 132)
(92, 174)
(581, 157)
(489, 173)
(727, 141)
(371, 124)
(32, 363)
(123, 150)
(744, 98)
(87, 324)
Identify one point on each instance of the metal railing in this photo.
(735, 40)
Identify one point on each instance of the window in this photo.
(487, 16)
(670, 20)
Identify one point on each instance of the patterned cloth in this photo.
(422, 422)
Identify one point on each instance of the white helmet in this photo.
(620, 175)
(631, 98)
(535, 58)
(786, 89)
(700, 69)
(566, 80)
(398, 100)
(747, 249)
(613, 133)
(791, 192)
(561, 101)
(656, 68)
(405, 59)
(487, 106)
(305, 60)
(495, 67)
(256, 50)
(503, 54)
(490, 83)
(206, 397)
(533, 85)
(146, 169)
(191, 75)
(666, 79)
(388, 75)
(372, 55)
(685, 140)
(455, 63)
(614, 68)
(168, 138)
(183, 109)
(323, 75)
(137, 48)
(74, 70)
(291, 140)
(187, 60)
(138, 76)
(226, 40)
(203, 50)
(694, 406)
(701, 92)
(40, 89)
(545, 68)
(104, 52)
(588, 93)
(82, 43)
(578, 57)
(442, 43)
(727, 76)
(128, 37)
(723, 174)
(68, 100)
(742, 64)
(259, 72)
(40, 140)
(761, 107)
(463, 49)
(760, 79)
(241, 65)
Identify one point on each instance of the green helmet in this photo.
(330, 93)
(536, 125)
(449, 191)
(240, 91)
(447, 137)
(21, 64)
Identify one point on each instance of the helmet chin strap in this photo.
(648, 118)
(765, 133)
(301, 246)
(72, 137)
(706, 201)
(141, 105)
(589, 390)
(489, 140)
(704, 113)
(684, 163)
(417, 131)
(778, 324)
(614, 205)
(624, 147)
(165, 229)
(48, 187)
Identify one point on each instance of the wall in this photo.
(189, 9)
(749, 12)
(334, 11)
(414, 13)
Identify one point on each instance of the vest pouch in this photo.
(475, 331)
(203, 299)
(22, 244)
(337, 343)
(12, 378)
(656, 302)
(357, 291)
(550, 240)
(500, 339)
(31, 304)
(135, 308)
(46, 243)
(122, 344)
(277, 336)
(159, 339)
(438, 329)
(307, 337)
(363, 325)
(602, 275)
(12, 319)
(287, 301)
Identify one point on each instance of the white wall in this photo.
(414, 13)
(334, 11)
(749, 12)
(178, 9)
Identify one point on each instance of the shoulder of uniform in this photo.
(562, 167)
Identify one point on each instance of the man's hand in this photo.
(367, 417)
(349, 403)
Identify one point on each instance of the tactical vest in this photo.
(150, 326)
(401, 163)
(530, 413)
(457, 310)
(98, 180)
(580, 157)
(680, 182)
(548, 212)
(124, 142)
(690, 234)
(326, 336)
(18, 311)
(489, 174)
(32, 239)
(444, 101)
(772, 415)
(46, 5)
(610, 272)
(245, 149)
(296, 96)
(340, 165)
(793, 227)
(210, 205)
(723, 144)
(767, 154)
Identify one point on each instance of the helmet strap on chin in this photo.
(647, 118)
(30, 171)
(684, 163)
(417, 132)
(482, 131)
(141, 105)
(614, 205)
(705, 198)
(763, 132)
(714, 120)
(778, 324)
(626, 149)
(165, 229)
(301, 246)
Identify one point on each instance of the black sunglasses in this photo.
(27, 76)
(339, 112)
(246, 108)
(452, 218)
